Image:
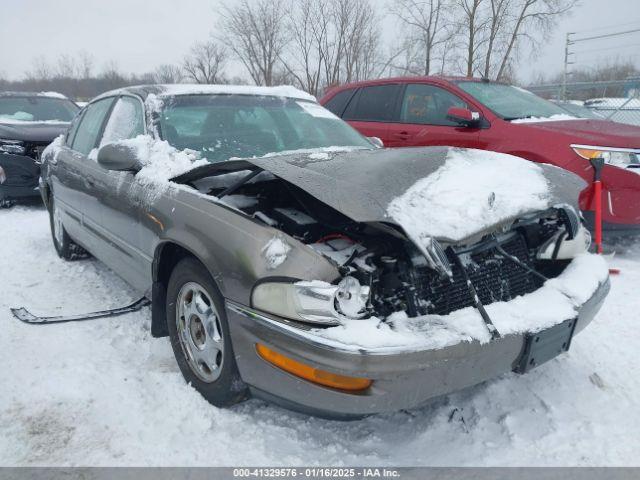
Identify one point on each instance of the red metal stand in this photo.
(598, 165)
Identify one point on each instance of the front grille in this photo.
(34, 150)
(495, 278)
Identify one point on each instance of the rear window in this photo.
(36, 109)
(375, 104)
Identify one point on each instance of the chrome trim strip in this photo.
(607, 149)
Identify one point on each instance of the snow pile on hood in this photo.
(275, 252)
(556, 301)
(160, 162)
(472, 191)
(553, 118)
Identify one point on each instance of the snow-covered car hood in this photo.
(452, 195)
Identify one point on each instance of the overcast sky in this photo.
(139, 35)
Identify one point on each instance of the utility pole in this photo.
(565, 72)
(567, 53)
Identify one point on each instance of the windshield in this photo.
(510, 102)
(36, 109)
(221, 127)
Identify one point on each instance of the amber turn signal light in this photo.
(315, 375)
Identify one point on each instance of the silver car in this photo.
(286, 256)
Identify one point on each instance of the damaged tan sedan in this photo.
(289, 258)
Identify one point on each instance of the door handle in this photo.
(402, 135)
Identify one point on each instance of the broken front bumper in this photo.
(402, 378)
(21, 177)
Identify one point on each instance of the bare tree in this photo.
(168, 73)
(205, 62)
(331, 41)
(530, 16)
(40, 69)
(85, 64)
(65, 66)
(428, 26)
(308, 27)
(256, 32)
(472, 25)
(361, 41)
(498, 17)
(111, 75)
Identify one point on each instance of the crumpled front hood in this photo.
(439, 192)
(32, 131)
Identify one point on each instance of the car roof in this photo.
(144, 91)
(436, 79)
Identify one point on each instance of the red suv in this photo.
(473, 113)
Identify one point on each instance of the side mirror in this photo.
(464, 117)
(377, 141)
(116, 156)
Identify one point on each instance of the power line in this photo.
(616, 47)
(575, 40)
(599, 29)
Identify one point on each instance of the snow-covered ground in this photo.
(106, 393)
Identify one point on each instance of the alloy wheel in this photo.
(199, 332)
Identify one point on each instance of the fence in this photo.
(617, 100)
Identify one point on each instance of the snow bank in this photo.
(477, 189)
(555, 302)
(579, 410)
(275, 252)
(553, 118)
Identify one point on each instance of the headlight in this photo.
(560, 247)
(314, 302)
(13, 147)
(619, 157)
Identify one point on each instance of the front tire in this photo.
(65, 247)
(199, 332)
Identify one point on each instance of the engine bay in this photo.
(501, 266)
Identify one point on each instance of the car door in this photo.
(423, 119)
(372, 109)
(71, 175)
(119, 226)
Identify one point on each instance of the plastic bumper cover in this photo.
(402, 379)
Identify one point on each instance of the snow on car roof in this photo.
(34, 94)
(52, 95)
(193, 89)
(154, 91)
